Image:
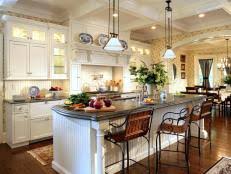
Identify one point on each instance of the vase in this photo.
(150, 89)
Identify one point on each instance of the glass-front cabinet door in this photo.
(28, 33)
(20, 33)
(59, 63)
(59, 37)
(59, 54)
(38, 35)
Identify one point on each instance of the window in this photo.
(211, 76)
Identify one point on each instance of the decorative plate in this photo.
(102, 39)
(34, 91)
(124, 44)
(85, 38)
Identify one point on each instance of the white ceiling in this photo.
(136, 15)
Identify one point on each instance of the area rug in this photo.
(223, 166)
(43, 154)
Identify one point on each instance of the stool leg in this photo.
(219, 110)
(127, 157)
(157, 155)
(186, 151)
(210, 130)
(159, 147)
(199, 140)
(177, 147)
(123, 159)
(149, 165)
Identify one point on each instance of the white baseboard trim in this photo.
(59, 168)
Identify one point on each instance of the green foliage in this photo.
(79, 98)
(227, 80)
(155, 74)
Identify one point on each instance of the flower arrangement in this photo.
(227, 80)
(154, 74)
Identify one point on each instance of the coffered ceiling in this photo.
(137, 16)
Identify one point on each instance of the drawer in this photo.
(21, 108)
(42, 109)
(40, 128)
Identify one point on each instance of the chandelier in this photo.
(113, 43)
(225, 63)
(169, 53)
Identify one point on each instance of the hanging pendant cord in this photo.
(118, 18)
(109, 18)
(113, 18)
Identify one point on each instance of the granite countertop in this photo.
(34, 100)
(124, 107)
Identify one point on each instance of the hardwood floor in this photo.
(18, 161)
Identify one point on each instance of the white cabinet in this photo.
(38, 64)
(27, 61)
(17, 124)
(41, 119)
(21, 128)
(18, 58)
(34, 49)
(40, 128)
(29, 122)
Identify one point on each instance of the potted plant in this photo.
(227, 80)
(153, 76)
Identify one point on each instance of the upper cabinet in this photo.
(59, 54)
(27, 33)
(35, 50)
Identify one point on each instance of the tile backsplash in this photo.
(22, 87)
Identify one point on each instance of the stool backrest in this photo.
(206, 108)
(138, 124)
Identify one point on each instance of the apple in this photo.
(98, 104)
(107, 102)
(91, 103)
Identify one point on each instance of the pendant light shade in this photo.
(169, 53)
(113, 43)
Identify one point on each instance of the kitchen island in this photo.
(79, 146)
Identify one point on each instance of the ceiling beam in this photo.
(87, 8)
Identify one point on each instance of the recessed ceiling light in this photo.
(115, 15)
(201, 15)
(153, 27)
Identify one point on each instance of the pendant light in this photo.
(225, 63)
(113, 43)
(169, 53)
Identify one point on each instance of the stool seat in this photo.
(177, 129)
(197, 117)
(120, 136)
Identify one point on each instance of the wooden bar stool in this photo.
(174, 124)
(199, 112)
(137, 124)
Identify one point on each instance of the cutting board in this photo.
(103, 109)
